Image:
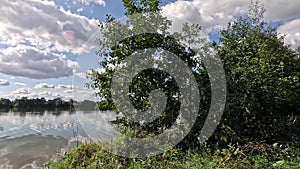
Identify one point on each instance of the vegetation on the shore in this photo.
(25, 104)
(32, 104)
(251, 155)
(260, 124)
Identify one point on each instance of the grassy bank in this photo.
(251, 155)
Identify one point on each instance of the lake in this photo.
(29, 140)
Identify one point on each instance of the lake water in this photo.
(29, 140)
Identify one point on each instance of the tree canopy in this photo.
(262, 72)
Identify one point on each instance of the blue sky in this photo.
(43, 43)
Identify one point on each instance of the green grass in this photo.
(92, 156)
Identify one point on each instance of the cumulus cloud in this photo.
(88, 2)
(4, 82)
(22, 91)
(44, 25)
(30, 62)
(37, 32)
(281, 9)
(51, 86)
(215, 14)
(85, 75)
(19, 84)
(81, 75)
(210, 14)
(29, 93)
(292, 33)
(67, 94)
(44, 86)
(50, 95)
(64, 87)
(69, 91)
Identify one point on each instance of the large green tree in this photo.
(121, 40)
(262, 74)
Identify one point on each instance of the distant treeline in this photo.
(38, 104)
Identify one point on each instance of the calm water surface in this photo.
(29, 140)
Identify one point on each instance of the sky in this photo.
(46, 46)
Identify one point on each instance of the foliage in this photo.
(262, 75)
(251, 155)
(120, 40)
(260, 127)
(25, 104)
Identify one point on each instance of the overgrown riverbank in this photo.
(223, 150)
(251, 155)
(260, 122)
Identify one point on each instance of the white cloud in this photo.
(4, 82)
(210, 13)
(64, 87)
(34, 63)
(215, 14)
(44, 86)
(292, 32)
(36, 32)
(22, 91)
(27, 92)
(88, 2)
(85, 75)
(81, 75)
(281, 9)
(79, 9)
(51, 86)
(46, 93)
(44, 25)
(69, 91)
(49, 95)
(19, 84)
